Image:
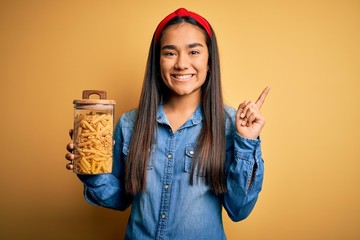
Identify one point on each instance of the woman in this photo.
(182, 155)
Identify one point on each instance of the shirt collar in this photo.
(193, 120)
(161, 117)
(197, 116)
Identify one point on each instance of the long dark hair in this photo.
(210, 157)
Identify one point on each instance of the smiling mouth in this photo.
(182, 77)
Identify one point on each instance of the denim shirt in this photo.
(171, 208)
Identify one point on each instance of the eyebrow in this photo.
(173, 47)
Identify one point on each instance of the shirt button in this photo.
(180, 130)
(191, 152)
(163, 216)
(166, 186)
(169, 156)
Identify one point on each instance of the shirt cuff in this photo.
(246, 144)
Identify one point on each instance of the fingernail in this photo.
(70, 156)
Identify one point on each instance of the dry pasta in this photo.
(93, 143)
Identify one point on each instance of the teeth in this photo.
(183, 76)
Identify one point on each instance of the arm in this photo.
(245, 171)
(108, 190)
(244, 178)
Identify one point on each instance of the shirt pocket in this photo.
(150, 166)
(189, 159)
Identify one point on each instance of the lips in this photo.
(182, 76)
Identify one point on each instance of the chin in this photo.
(181, 93)
(186, 92)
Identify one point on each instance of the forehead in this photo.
(182, 33)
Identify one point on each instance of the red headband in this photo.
(182, 12)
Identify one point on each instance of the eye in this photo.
(168, 53)
(194, 52)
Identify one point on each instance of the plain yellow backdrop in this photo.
(307, 51)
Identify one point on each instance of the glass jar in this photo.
(93, 133)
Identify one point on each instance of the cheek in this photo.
(203, 63)
(163, 72)
(205, 71)
(164, 66)
(203, 66)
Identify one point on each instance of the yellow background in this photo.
(307, 51)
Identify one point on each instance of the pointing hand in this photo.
(249, 120)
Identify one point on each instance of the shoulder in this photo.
(124, 127)
(127, 119)
(230, 114)
(229, 111)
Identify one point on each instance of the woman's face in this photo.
(183, 59)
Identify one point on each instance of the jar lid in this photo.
(102, 98)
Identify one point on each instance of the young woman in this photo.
(182, 155)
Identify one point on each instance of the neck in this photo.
(178, 109)
(182, 103)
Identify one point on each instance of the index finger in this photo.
(259, 102)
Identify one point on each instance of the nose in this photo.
(182, 62)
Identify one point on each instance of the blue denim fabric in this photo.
(171, 208)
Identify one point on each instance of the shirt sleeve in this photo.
(244, 177)
(108, 190)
